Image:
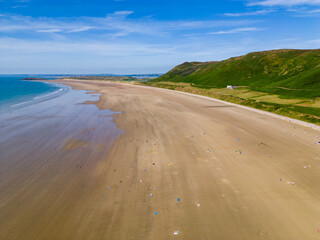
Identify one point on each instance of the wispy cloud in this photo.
(315, 41)
(124, 57)
(238, 30)
(19, 6)
(49, 30)
(116, 24)
(314, 11)
(260, 12)
(109, 57)
(304, 12)
(270, 3)
(122, 13)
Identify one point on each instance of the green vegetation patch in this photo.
(291, 73)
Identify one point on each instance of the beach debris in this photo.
(208, 150)
(153, 163)
(141, 181)
(169, 164)
(240, 152)
(154, 143)
(175, 232)
(238, 139)
(304, 166)
(178, 199)
(109, 187)
(150, 195)
(155, 187)
(144, 170)
(292, 183)
(156, 213)
(198, 204)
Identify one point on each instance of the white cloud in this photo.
(123, 13)
(315, 41)
(81, 29)
(49, 30)
(314, 11)
(124, 57)
(237, 30)
(303, 12)
(36, 56)
(270, 3)
(260, 12)
(116, 24)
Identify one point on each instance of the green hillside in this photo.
(288, 73)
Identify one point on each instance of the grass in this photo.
(287, 73)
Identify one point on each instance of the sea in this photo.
(16, 93)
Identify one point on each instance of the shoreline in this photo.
(182, 164)
(12, 106)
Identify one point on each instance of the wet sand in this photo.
(238, 174)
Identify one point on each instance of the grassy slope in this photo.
(268, 77)
(291, 73)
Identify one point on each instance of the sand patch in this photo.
(72, 144)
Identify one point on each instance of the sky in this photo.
(146, 36)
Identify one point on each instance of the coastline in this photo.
(181, 163)
(11, 106)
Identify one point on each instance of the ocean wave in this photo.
(40, 98)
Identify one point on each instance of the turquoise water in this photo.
(15, 92)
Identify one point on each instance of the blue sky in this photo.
(140, 36)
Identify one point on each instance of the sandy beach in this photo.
(168, 166)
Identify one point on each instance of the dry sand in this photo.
(239, 175)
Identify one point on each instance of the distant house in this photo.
(230, 87)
